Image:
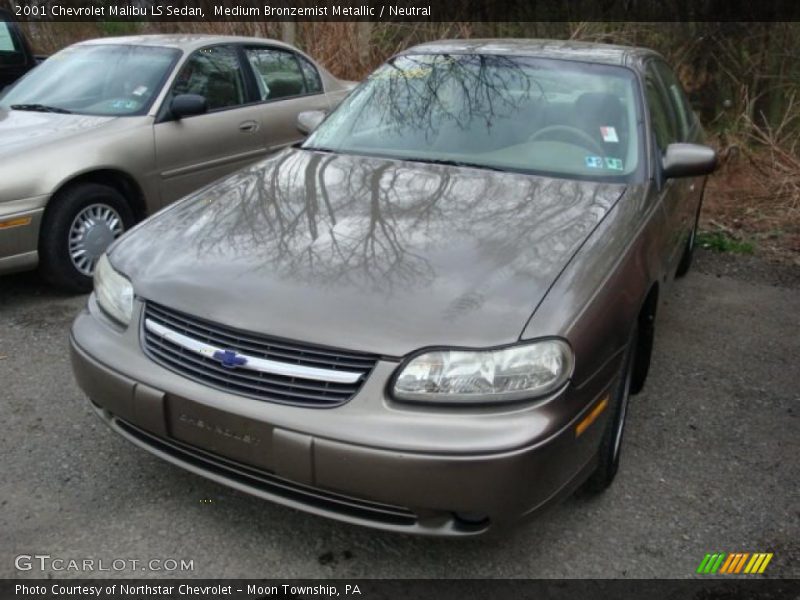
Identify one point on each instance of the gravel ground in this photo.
(710, 462)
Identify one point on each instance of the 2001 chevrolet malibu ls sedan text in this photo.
(430, 315)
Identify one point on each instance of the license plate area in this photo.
(220, 432)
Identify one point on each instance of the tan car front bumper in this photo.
(425, 491)
(20, 222)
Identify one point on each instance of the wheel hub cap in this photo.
(92, 231)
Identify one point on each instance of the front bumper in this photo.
(20, 222)
(19, 238)
(440, 472)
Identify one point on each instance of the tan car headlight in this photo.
(113, 291)
(517, 372)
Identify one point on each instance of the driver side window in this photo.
(661, 119)
(214, 73)
(678, 100)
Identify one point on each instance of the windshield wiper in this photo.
(41, 108)
(314, 148)
(452, 163)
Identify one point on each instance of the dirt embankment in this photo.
(754, 205)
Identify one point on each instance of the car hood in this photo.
(21, 129)
(368, 254)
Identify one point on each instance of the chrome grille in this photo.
(276, 370)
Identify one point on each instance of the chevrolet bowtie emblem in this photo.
(229, 359)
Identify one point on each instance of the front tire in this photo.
(79, 225)
(611, 443)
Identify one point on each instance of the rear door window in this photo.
(277, 72)
(313, 80)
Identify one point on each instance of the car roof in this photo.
(558, 49)
(187, 42)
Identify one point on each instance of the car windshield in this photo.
(554, 117)
(114, 80)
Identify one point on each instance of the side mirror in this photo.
(688, 160)
(309, 120)
(188, 105)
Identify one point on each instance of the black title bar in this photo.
(404, 11)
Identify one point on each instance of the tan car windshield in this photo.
(114, 80)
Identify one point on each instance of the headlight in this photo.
(513, 373)
(113, 291)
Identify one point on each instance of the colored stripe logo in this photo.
(735, 563)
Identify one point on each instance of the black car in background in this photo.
(16, 56)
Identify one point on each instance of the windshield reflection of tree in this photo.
(344, 221)
(428, 94)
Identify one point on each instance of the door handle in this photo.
(248, 126)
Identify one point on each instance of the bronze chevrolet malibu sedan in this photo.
(429, 316)
(107, 131)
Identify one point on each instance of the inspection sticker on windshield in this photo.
(609, 134)
(140, 91)
(124, 104)
(614, 163)
(594, 162)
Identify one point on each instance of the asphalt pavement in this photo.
(711, 463)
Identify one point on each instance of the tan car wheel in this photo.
(78, 227)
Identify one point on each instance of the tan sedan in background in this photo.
(107, 131)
